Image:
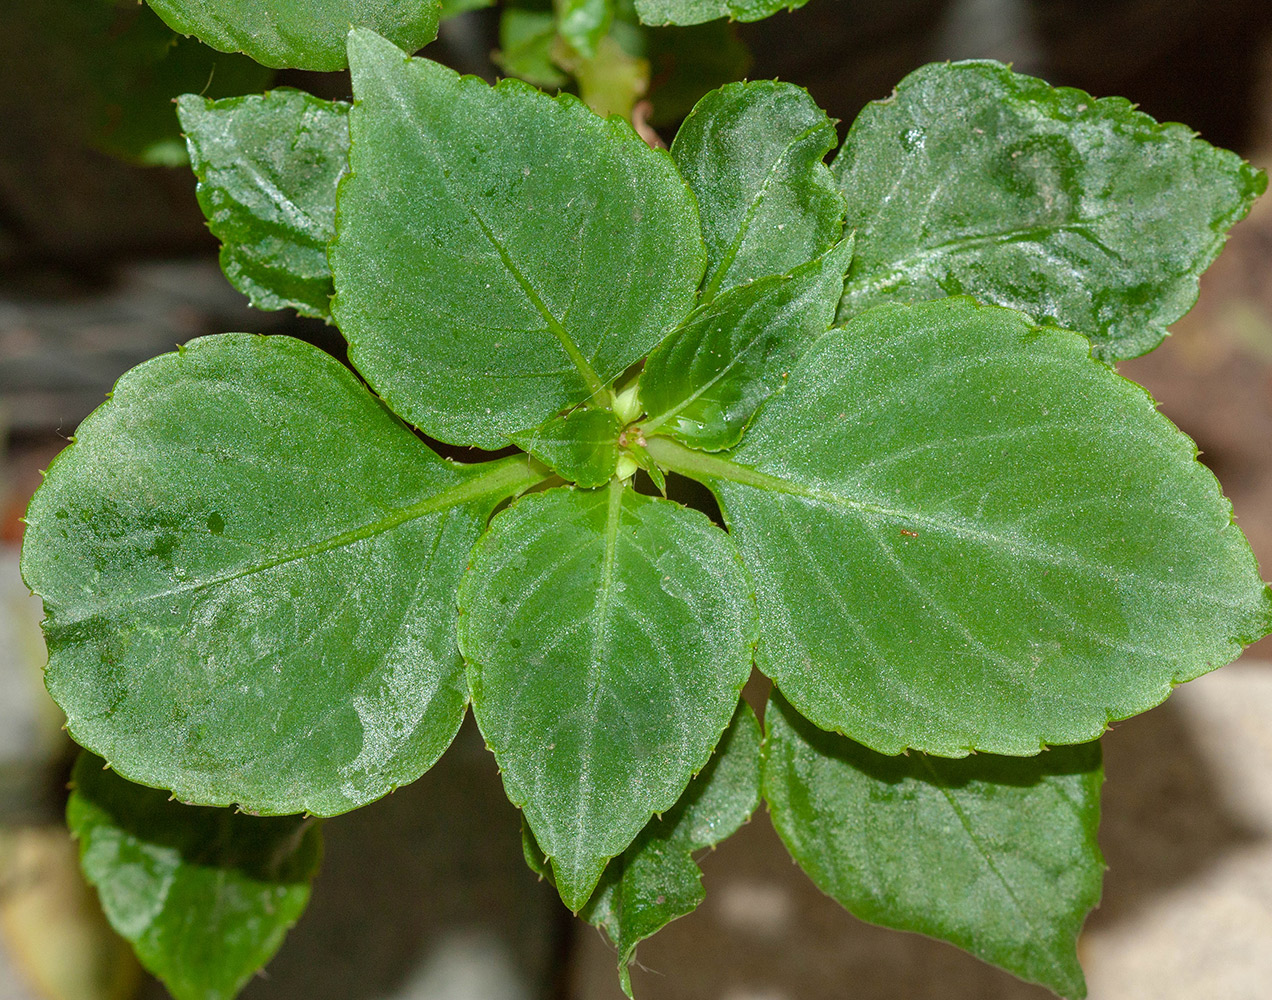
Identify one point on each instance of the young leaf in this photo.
(581, 446)
(204, 896)
(249, 570)
(301, 34)
(704, 382)
(752, 152)
(656, 879)
(967, 534)
(607, 636)
(997, 855)
(500, 254)
(697, 11)
(268, 167)
(973, 179)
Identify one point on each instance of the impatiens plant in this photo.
(957, 542)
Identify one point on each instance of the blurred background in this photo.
(105, 261)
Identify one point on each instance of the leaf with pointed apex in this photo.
(752, 152)
(968, 534)
(205, 896)
(583, 23)
(500, 254)
(971, 179)
(607, 636)
(656, 879)
(581, 446)
(704, 382)
(300, 34)
(242, 606)
(997, 855)
(697, 11)
(268, 167)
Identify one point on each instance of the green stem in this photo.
(675, 457)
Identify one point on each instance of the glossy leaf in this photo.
(301, 34)
(205, 896)
(268, 167)
(997, 855)
(501, 255)
(581, 446)
(656, 879)
(752, 152)
(704, 382)
(249, 568)
(607, 636)
(697, 11)
(583, 23)
(973, 179)
(967, 534)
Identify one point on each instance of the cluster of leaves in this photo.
(950, 528)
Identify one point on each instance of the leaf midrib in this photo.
(744, 227)
(505, 476)
(588, 373)
(675, 457)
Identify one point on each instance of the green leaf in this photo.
(581, 446)
(697, 11)
(686, 63)
(106, 73)
(997, 855)
(973, 179)
(500, 255)
(526, 40)
(268, 167)
(301, 34)
(752, 152)
(656, 879)
(583, 23)
(703, 383)
(607, 636)
(249, 568)
(967, 534)
(204, 896)
(453, 8)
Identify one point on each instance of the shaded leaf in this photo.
(697, 11)
(581, 446)
(997, 855)
(500, 255)
(967, 534)
(453, 8)
(975, 180)
(526, 40)
(302, 34)
(704, 382)
(607, 636)
(752, 152)
(268, 167)
(204, 896)
(656, 879)
(243, 607)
